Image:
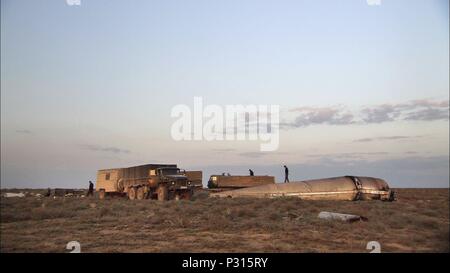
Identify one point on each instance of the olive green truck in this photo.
(150, 181)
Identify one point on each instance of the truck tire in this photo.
(132, 193)
(120, 185)
(162, 193)
(140, 193)
(101, 194)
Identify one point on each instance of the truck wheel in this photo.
(101, 194)
(120, 186)
(132, 193)
(140, 193)
(162, 193)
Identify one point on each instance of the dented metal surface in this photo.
(335, 188)
(238, 181)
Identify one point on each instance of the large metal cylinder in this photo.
(335, 188)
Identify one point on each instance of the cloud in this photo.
(24, 131)
(253, 154)
(380, 113)
(370, 139)
(109, 149)
(430, 103)
(428, 114)
(261, 154)
(349, 155)
(414, 110)
(224, 150)
(418, 110)
(320, 115)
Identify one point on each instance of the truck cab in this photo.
(164, 183)
(175, 178)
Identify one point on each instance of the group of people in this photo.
(286, 173)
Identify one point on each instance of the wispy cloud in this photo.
(253, 154)
(428, 114)
(319, 115)
(349, 155)
(107, 149)
(415, 110)
(380, 113)
(424, 109)
(260, 154)
(224, 150)
(370, 139)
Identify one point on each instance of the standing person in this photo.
(286, 174)
(91, 189)
(251, 172)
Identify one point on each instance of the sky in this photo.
(362, 89)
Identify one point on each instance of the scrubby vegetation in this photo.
(417, 222)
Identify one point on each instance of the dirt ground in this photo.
(417, 222)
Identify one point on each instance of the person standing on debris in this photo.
(286, 174)
(251, 172)
(48, 193)
(91, 189)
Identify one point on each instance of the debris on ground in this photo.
(351, 188)
(12, 194)
(341, 216)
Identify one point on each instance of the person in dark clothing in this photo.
(286, 174)
(48, 193)
(91, 189)
(251, 172)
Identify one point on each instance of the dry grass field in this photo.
(417, 222)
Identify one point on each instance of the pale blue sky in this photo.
(91, 86)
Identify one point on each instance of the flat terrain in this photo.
(417, 222)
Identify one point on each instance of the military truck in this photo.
(150, 181)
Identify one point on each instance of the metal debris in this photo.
(341, 216)
(350, 188)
